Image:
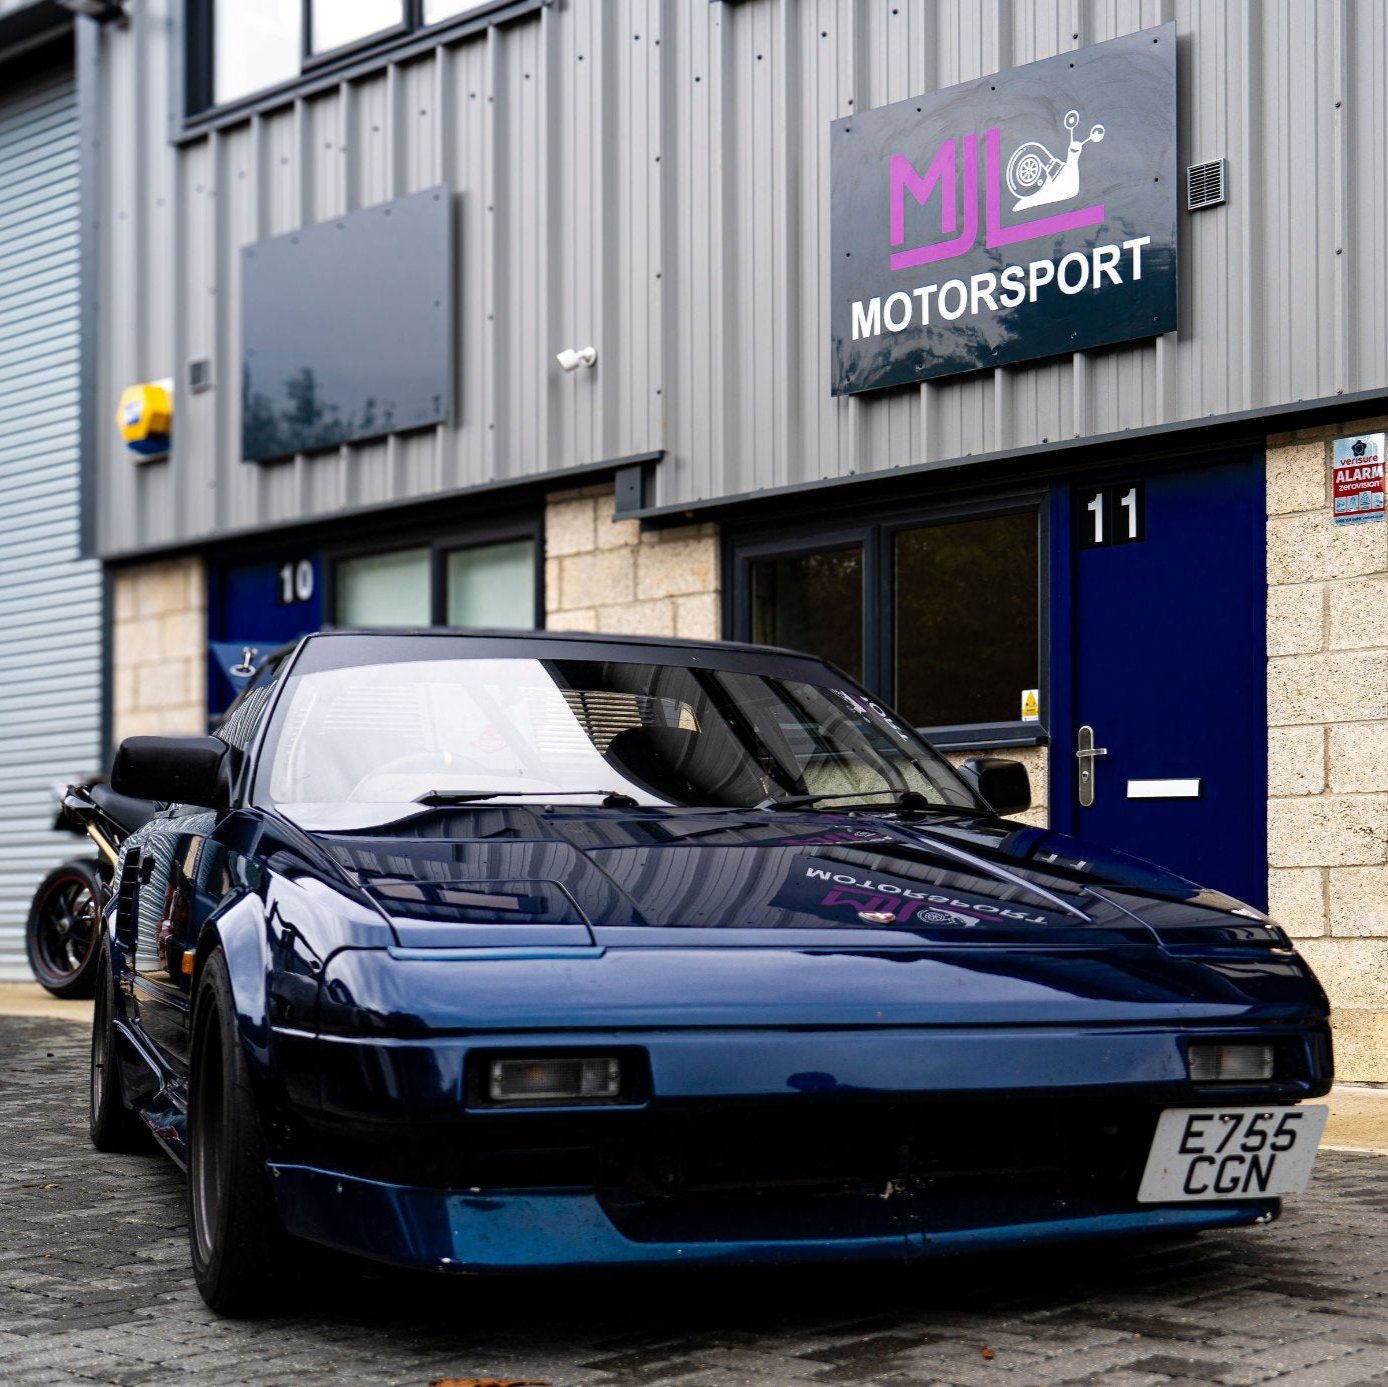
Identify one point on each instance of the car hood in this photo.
(506, 875)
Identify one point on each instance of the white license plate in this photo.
(1231, 1153)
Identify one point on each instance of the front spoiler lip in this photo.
(549, 1229)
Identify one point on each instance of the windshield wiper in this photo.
(611, 799)
(907, 802)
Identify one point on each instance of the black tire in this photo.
(113, 1126)
(63, 927)
(239, 1248)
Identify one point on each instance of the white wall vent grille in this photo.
(1205, 185)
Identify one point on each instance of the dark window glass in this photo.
(812, 602)
(966, 620)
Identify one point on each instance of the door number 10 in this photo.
(1110, 515)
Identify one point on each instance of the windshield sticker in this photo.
(876, 714)
(818, 886)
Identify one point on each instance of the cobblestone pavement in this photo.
(95, 1288)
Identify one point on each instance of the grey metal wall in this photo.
(651, 177)
(50, 598)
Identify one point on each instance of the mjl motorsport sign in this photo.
(1020, 216)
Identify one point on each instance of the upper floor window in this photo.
(237, 48)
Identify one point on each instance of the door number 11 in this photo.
(1110, 515)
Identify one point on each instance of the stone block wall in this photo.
(606, 575)
(1328, 741)
(159, 649)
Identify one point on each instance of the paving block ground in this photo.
(95, 1288)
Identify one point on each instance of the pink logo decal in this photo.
(944, 173)
(1032, 172)
(1038, 228)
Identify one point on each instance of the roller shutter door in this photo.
(50, 599)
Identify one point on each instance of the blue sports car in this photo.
(473, 951)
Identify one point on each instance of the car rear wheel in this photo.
(61, 933)
(113, 1126)
(239, 1247)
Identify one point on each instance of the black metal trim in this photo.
(195, 44)
(193, 122)
(634, 483)
(32, 26)
(985, 737)
(86, 73)
(1188, 437)
(107, 694)
(437, 509)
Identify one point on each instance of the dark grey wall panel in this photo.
(50, 599)
(651, 177)
(346, 328)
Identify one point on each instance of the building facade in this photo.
(1001, 353)
(51, 587)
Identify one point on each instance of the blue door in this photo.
(252, 609)
(1160, 740)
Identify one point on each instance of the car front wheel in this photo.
(239, 1247)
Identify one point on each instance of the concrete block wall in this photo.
(1328, 741)
(606, 575)
(159, 649)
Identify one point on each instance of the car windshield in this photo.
(366, 743)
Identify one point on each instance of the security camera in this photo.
(570, 359)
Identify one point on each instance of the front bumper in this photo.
(755, 1146)
(535, 1229)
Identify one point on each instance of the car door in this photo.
(182, 879)
(165, 922)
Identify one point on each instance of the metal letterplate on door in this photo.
(1085, 752)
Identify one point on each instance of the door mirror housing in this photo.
(174, 770)
(1004, 785)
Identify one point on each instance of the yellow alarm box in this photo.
(145, 416)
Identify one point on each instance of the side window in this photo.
(811, 601)
(967, 620)
(939, 615)
(487, 585)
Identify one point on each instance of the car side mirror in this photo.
(175, 770)
(1004, 785)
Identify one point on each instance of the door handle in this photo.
(1085, 752)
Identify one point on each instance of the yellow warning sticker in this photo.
(1031, 705)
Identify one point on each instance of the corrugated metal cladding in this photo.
(50, 599)
(652, 177)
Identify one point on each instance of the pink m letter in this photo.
(942, 173)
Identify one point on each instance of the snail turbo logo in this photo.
(964, 238)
